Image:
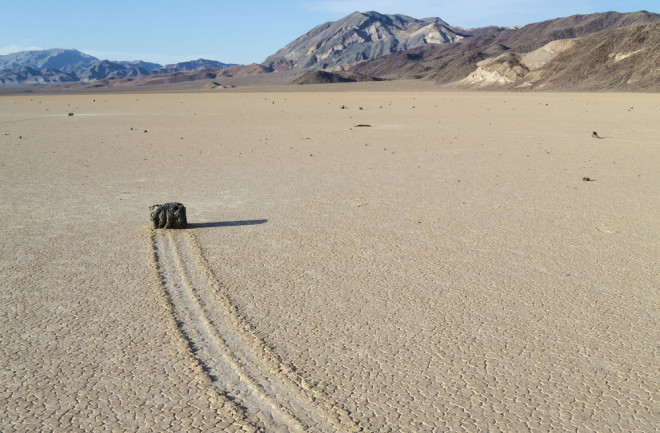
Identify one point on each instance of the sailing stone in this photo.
(168, 216)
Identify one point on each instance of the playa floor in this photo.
(356, 260)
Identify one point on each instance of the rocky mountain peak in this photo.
(360, 36)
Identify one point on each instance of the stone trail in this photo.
(240, 365)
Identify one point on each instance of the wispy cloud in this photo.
(9, 49)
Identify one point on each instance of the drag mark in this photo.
(240, 364)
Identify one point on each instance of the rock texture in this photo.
(512, 68)
(168, 216)
(625, 59)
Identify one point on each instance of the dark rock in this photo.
(168, 216)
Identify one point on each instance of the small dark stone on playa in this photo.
(168, 216)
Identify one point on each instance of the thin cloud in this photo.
(10, 49)
(383, 6)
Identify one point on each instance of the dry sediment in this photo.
(446, 269)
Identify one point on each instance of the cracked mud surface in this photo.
(444, 270)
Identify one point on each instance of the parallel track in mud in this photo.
(240, 365)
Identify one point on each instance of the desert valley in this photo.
(416, 242)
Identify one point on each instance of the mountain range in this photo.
(70, 65)
(616, 51)
(602, 51)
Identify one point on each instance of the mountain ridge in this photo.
(371, 45)
(587, 63)
(451, 63)
(65, 60)
(59, 65)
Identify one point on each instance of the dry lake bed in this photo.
(363, 259)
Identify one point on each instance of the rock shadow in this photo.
(225, 224)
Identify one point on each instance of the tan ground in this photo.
(446, 269)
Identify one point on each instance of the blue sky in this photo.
(240, 31)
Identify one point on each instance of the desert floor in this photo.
(446, 268)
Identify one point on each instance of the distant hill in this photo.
(30, 76)
(325, 77)
(106, 69)
(140, 64)
(60, 59)
(363, 36)
(192, 65)
(533, 36)
(244, 70)
(58, 65)
(173, 78)
(624, 58)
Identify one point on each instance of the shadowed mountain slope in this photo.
(453, 62)
(325, 77)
